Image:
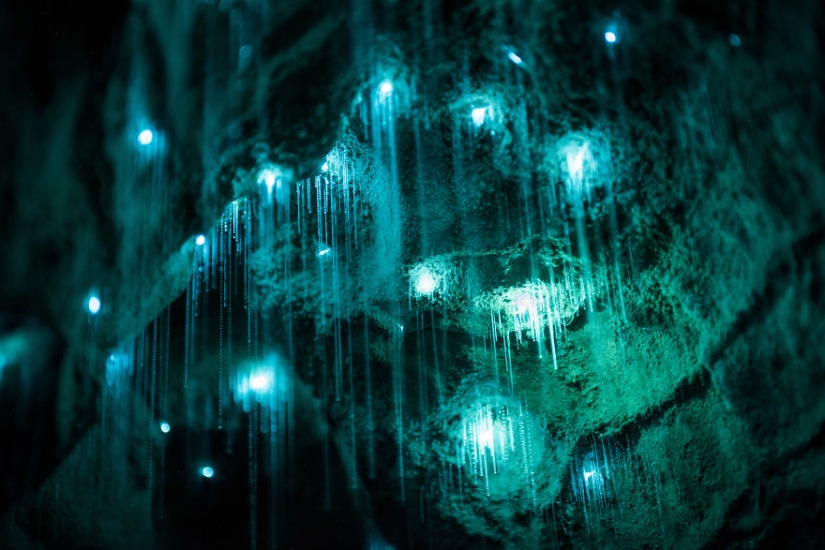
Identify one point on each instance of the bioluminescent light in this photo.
(94, 305)
(513, 56)
(735, 41)
(479, 114)
(200, 240)
(165, 427)
(592, 476)
(207, 471)
(498, 442)
(260, 382)
(268, 177)
(525, 303)
(537, 309)
(385, 88)
(433, 276)
(258, 385)
(145, 137)
(324, 250)
(425, 283)
(325, 167)
(486, 435)
(610, 37)
(575, 161)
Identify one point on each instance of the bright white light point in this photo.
(426, 283)
(575, 162)
(206, 471)
(485, 438)
(386, 87)
(201, 240)
(610, 37)
(478, 115)
(325, 167)
(259, 382)
(94, 305)
(268, 177)
(324, 251)
(145, 137)
(514, 58)
(525, 303)
(165, 427)
(587, 475)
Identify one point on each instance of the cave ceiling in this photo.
(480, 274)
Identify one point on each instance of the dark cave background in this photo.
(616, 273)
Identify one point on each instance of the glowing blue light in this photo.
(268, 177)
(526, 303)
(610, 37)
(206, 471)
(260, 382)
(425, 282)
(145, 137)
(94, 305)
(385, 91)
(325, 167)
(324, 251)
(479, 114)
(575, 161)
(515, 58)
(165, 427)
(735, 41)
(201, 240)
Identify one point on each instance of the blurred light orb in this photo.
(479, 114)
(735, 41)
(207, 471)
(525, 303)
(94, 305)
(515, 58)
(576, 157)
(425, 283)
(260, 382)
(200, 240)
(146, 137)
(386, 88)
(165, 427)
(610, 37)
(268, 177)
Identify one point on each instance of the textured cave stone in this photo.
(80, 216)
(97, 497)
(710, 391)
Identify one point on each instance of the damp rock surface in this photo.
(485, 274)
